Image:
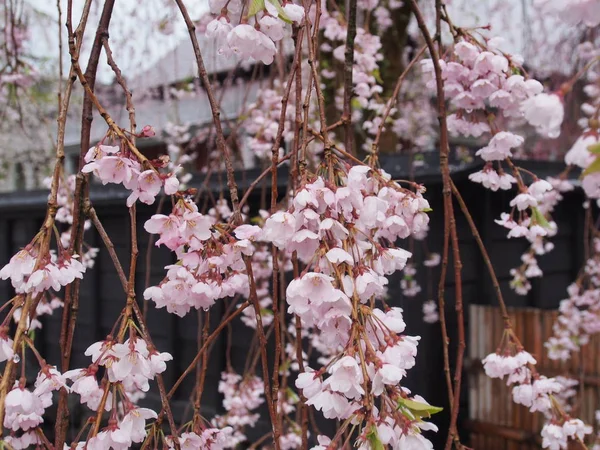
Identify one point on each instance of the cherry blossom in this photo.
(25, 409)
(545, 112)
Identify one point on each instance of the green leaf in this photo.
(594, 149)
(426, 210)
(292, 395)
(377, 74)
(255, 7)
(280, 11)
(592, 168)
(539, 218)
(419, 409)
(355, 104)
(373, 438)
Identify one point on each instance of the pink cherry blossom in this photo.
(545, 112)
(294, 12)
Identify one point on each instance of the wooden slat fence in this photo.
(495, 421)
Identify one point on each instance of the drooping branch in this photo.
(348, 84)
(449, 221)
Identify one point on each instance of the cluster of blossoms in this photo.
(430, 312)
(25, 408)
(477, 80)
(130, 363)
(340, 228)
(242, 396)
(262, 122)
(536, 392)
(583, 153)
(209, 439)
(409, 285)
(59, 272)
(579, 315)
(113, 164)
(121, 433)
(257, 40)
(35, 269)
(555, 436)
(46, 306)
(527, 220)
(540, 243)
(210, 262)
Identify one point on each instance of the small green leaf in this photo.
(594, 149)
(419, 409)
(355, 104)
(280, 11)
(539, 218)
(426, 210)
(592, 168)
(377, 74)
(255, 7)
(292, 395)
(373, 438)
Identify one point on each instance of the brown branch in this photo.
(71, 302)
(216, 113)
(449, 220)
(484, 254)
(121, 80)
(258, 179)
(274, 252)
(91, 213)
(205, 346)
(348, 69)
(166, 406)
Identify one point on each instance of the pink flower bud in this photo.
(148, 131)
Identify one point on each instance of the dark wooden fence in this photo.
(495, 422)
(21, 214)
